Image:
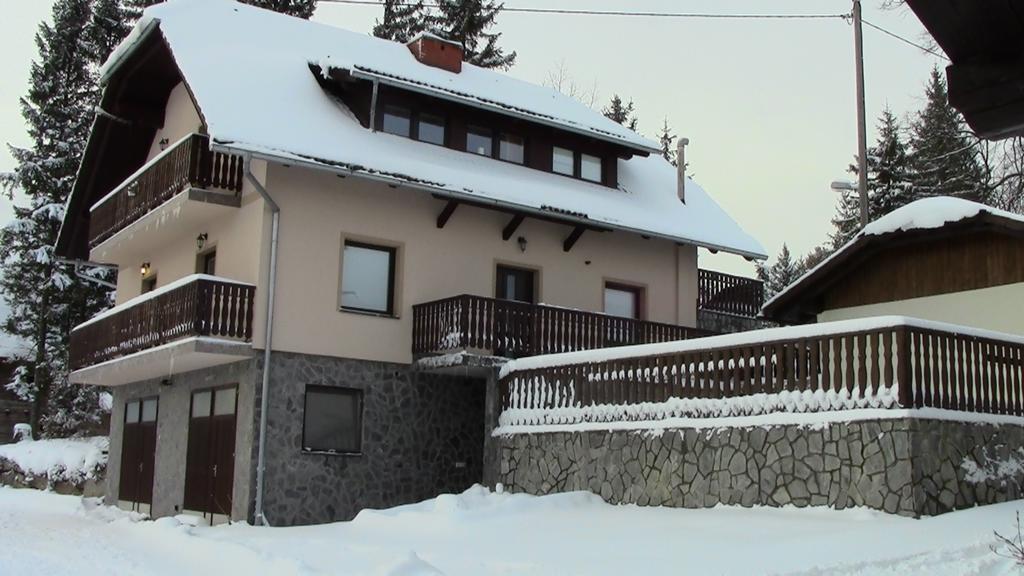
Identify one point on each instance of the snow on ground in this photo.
(482, 534)
(72, 459)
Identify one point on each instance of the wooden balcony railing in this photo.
(719, 292)
(195, 306)
(189, 163)
(516, 329)
(886, 362)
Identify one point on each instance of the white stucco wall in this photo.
(180, 119)
(998, 308)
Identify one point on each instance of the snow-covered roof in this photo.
(924, 214)
(248, 70)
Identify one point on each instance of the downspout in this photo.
(373, 106)
(268, 333)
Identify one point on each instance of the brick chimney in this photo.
(437, 52)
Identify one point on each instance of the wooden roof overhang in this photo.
(131, 110)
(983, 39)
(804, 300)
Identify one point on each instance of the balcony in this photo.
(508, 329)
(728, 294)
(188, 171)
(196, 322)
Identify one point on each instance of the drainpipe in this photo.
(269, 328)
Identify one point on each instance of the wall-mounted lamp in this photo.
(201, 240)
(522, 243)
(164, 142)
(144, 269)
(166, 382)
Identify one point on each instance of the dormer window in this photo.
(479, 141)
(590, 168)
(430, 128)
(562, 161)
(511, 148)
(397, 121)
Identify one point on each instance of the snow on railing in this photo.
(887, 362)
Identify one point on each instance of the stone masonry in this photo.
(903, 466)
(423, 435)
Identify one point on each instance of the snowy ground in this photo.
(73, 459)
(483, 534)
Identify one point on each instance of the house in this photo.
(942, 259)
(326, 242)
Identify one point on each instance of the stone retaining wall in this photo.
(12, 475)
(903, 466)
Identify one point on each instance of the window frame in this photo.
(392, 278)
(639, 296)
(501, 138)
(409, 115)
(600, 168)
(572, 153)
(417, 119)
(479, 130)
(360, 396)
(534, 285)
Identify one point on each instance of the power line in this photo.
(580, 12)
(904, 40)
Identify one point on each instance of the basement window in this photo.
(333, 420)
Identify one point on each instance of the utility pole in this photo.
(862, 137)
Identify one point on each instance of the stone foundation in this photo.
(423, 434)
(909, 467)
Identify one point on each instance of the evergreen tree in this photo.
(621, 113)
(667, 140)
(133, 8)
(109, 24)
(468, 22)
(45, 300)
(943, 158)
(782, 273)
(402, 21)
(297, 8)
(889, 181)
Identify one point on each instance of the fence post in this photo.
(903, 356)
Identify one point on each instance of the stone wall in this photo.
(422, 435)
(902, 466)
(94, 486)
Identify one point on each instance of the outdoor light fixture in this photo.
(144, 269)
(522, 243)
(201, 240)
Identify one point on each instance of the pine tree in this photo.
(297, 8)
(667, 139)
(109, 24)
(402, 21)
(889, 181)
(467, 22)
(943, 158)
(620, 113)
(782, 273)
(46, 301)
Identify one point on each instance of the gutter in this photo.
(455, 195)
(268, 336)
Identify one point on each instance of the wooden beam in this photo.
(445, 214)
(573, 237)
(512, 226)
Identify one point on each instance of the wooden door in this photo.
(138, 452)
(210, 460)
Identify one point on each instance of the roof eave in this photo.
(285, 158)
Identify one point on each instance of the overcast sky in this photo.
(768, 105)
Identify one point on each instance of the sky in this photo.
(768, 105)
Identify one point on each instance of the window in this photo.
(511, 148)
(622, 300)
(368, 278)
(515, 284)
(333, 420)
(479, 141)
(562, 161)
(397, 120)
(430, 128)
(590, 168)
